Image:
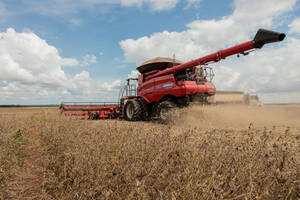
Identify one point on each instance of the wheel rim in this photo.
(129, 110)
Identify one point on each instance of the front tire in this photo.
(132, 110)
(145, 114)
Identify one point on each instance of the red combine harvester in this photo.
(167, 83)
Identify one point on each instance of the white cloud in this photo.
(73, 62)
(295, 26)
(259, 73)
(88, 59)
(102, 1)
(69, 8)
(272, 70)
(132, 2)
(76, 21)
(204, 36)
(27, 58)
(159, 5)
(163, 4)
(82, 79)
(156, 5)
(263, 12)
(69, 62)
(31, 72)
(110, 86)
(192, 2)
(134, 74)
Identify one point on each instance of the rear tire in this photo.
(132, 110)
(163, 110)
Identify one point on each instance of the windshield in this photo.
(200, 74)
(203, 73)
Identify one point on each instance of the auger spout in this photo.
(264, 36)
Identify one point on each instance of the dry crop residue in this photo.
(215, 152)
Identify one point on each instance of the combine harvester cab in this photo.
(167, 83)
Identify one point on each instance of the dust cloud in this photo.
(238, 116)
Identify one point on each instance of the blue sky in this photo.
(52, 51)
(99, 32)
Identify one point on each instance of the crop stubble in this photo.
(215, 152)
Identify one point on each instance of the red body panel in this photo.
(156, 88)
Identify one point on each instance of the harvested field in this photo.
(215, 152)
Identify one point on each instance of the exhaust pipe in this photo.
(264, 36)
